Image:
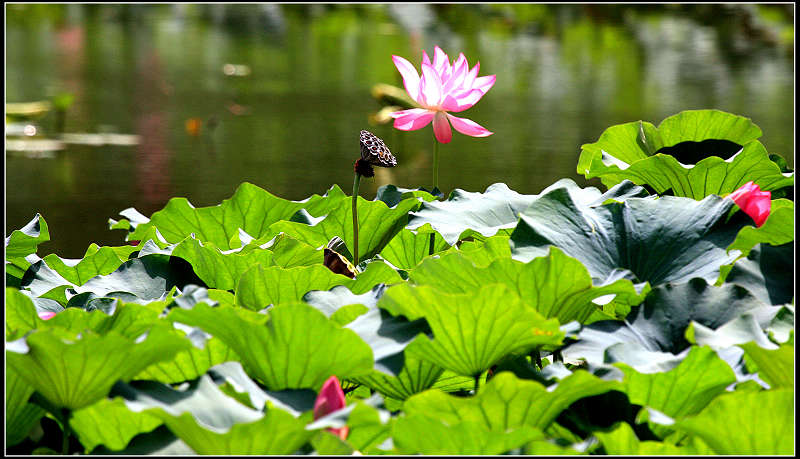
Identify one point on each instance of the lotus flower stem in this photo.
(537, 359)
(435, 185)
(477, 383)
(356, 184)
(435, 164)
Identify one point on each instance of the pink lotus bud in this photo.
(46, 315)
(753, 201)
(330, 399)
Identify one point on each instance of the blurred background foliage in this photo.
(134, 104)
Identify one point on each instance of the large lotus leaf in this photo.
(288, 252)
(377, 225)
(471, 331)
(421, 434)
(636, 151)
(622, 441)
(109, 422)
(408, 248)
(23, 243)
(98, 262)
(147, 278)
(189, 364)
(217, 268)
(21, 416)
(777, 229)
(251, 209)
(661, 240)
(746, 423)
(767, 272)
(261, 286)
(392, 194)
(659, 324)
(684, 390)
(75, 373)
(369, 427)
(775, 366)
(555, 285)
(210, 422)
(21, 316)
(482, 253)
(507, 402)
(294, 401)
(387, 336)
(748, 326)
(297, 348)
(479, 215)
(416, 376)
(330, 301)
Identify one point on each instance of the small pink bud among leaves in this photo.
(46, 315)
(753, 201)
(330, 399)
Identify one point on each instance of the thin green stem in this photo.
(477, 382)
(435, 164)
(435, 185)
(356, 183)
(66, 431)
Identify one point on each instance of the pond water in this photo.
(286, 110)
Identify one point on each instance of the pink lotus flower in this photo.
(443, 87)
(753, 201)
(330, 399)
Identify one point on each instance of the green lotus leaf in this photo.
(483, 253)
(622, 441)
(747, 326)
(636, 151)
(21, 415)
(392, 194)
(377, 225)
(219, 269)
(22, 243)
(408, 248)
(190, 363)
(251, 209)
(661, 240)
(471, 331)
(767, 272)
(210, 422)
(387, 336)
(368, 428)
(329, 302)
(21, 316)
(75, 373)
(555, 285)
(415, 376)
(754, 423)
(288, 252)
(507, 402)
(655, 331)
(421, 434)
(147, 278)
(777, 229)
(109, 422)
(261, 286)
(98, 261)
(775, 366)
(684, 390)
(496, 211)
(297, 348)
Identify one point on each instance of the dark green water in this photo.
(564, 74)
